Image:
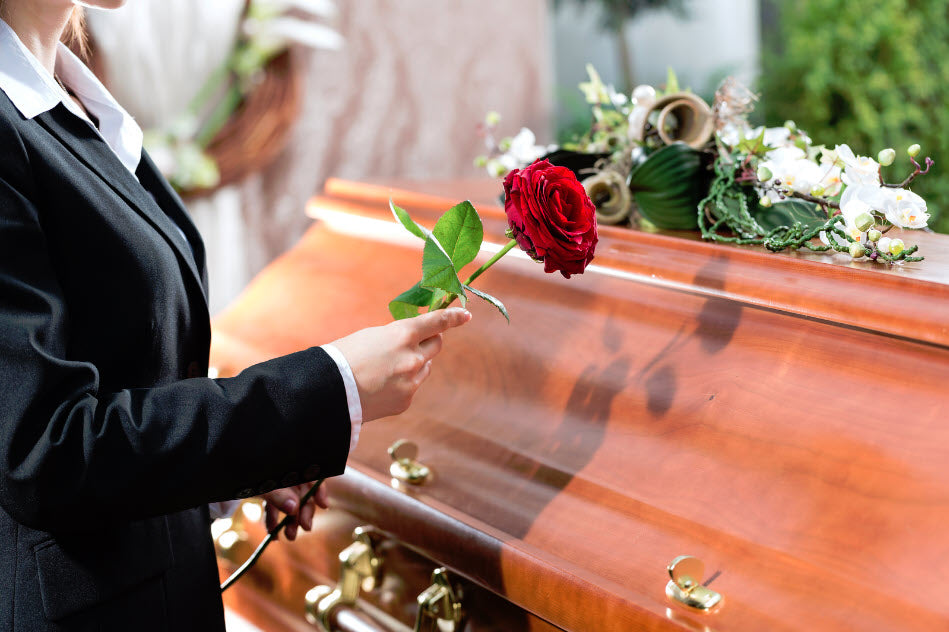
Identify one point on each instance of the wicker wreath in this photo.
(260, 127)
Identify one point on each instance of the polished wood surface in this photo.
(272, 594)
(777, 415)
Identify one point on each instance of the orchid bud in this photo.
(765, 201)
(764, 174)
(496, 169)
(874, 235)
(886, 156)
(896, 247)
(914, 150)
(481, 162)
(791, 125)
(492, 118)
(863, 222)
(818, 190)
(505, 144)
(857, 250)
(884, 245)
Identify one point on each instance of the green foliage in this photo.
(406, 304)
(871, 74)
(460, 232)
(452, 244)
(668, 186)
(789, 213)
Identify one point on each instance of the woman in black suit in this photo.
(112, 438)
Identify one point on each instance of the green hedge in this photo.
(871, 73)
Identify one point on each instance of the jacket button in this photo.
(312, 473)
(194, 369)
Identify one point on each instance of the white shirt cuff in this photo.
(352, 393)
(224, 509)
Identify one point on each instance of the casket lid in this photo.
(778, 416)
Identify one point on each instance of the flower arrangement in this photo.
(183, 149)
(666, 157)
(550, 216)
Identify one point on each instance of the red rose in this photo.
(551, 217)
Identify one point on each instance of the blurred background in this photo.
(312, 89)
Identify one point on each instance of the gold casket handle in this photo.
(333, 609)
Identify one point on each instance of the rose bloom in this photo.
(551, 217)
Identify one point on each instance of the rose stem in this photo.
(448, 300)
(271, 536)
(490, 262)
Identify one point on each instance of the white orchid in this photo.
(796, 172)
(525, 149)
(271, 26)
(858, 170)
(521, 150)
(315, 8)
(280, 32)
(901, 207)
(731, 133)
(852, 215)
(904, 208)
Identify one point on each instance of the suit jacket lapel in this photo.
(86, 144)
(169, 201)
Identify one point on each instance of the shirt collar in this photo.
(33, 91)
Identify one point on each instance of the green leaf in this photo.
(438, 270)
(672, 81)
(406, 304)
(789, 213)
(669, 185)
(491, 300)
(460, 233)
(754, 146)
(402, 216)
(437, 296)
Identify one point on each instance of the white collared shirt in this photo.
(34, 91)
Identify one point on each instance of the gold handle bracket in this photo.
(685, 586)
(405, 466)
(359, 569)
(439, 602)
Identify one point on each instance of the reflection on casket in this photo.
(776, 416)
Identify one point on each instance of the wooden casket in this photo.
(779, 418)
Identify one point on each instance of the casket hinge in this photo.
(439, 602)
(359, 569)
(405, 466)
(685, 586)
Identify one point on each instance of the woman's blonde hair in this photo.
(75, 34)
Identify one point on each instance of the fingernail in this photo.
(291, 506)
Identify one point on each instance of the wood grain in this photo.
(778, 416)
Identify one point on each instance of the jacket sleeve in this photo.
(72, 456)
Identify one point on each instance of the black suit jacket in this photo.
(111, 440)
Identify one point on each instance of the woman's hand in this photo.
(391, 362)
(287, 501)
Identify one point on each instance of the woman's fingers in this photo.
(323, 497)
(433, 323)
(306, 514)
(286, 500)
(273, 517)
(431, 346)
(422, 375)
